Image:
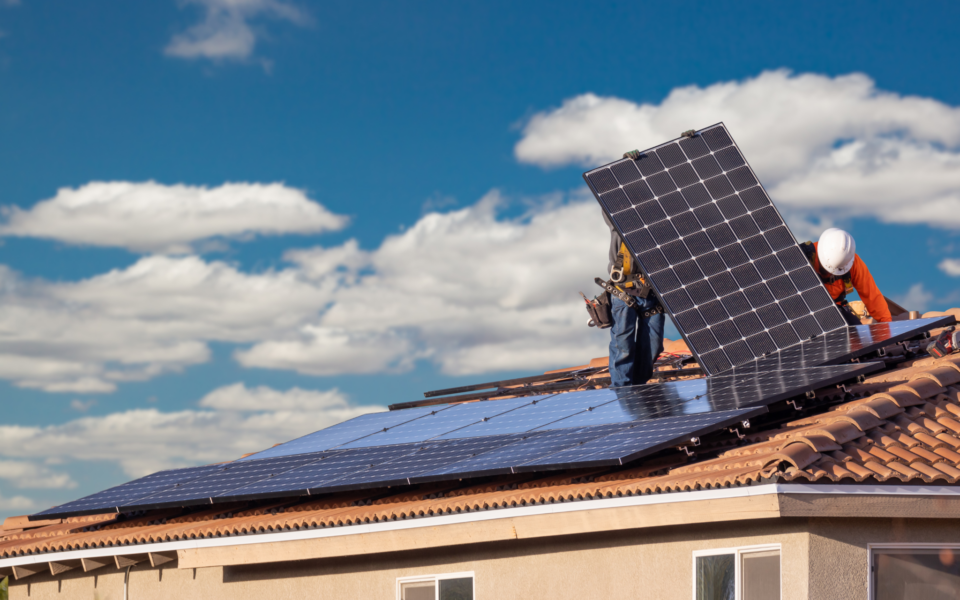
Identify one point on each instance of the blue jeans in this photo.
(635, 342)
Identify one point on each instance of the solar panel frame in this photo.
(348, 431)
(626, 445)
(110, 500)
(217, 485)
(840, 346)
(738, 222)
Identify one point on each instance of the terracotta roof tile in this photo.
(942, 375)
(923, 388)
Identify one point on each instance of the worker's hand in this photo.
(633, 154)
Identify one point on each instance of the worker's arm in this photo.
(869, 292)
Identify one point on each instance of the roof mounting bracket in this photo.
(795, 404)
(745, 423)
(736, 432)
(811, 395)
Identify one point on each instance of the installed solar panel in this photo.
(531, 417)
(529, 446)
(735, 390)
(427, 458)
(645, 418)
(719, 255)
(318, 473)
(643, 438)
(842, 345)
(454, 418)
(348, 431)
(223, 479)
(110, 500)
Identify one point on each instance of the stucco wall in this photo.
(821, 558)
(652, 563)
(839, 567)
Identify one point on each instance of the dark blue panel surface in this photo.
(427, 458)
(642, 438)
(318, 474)
(527, 448)
(225, 478)
(109, 500)
(540, 414)
(348, 431)
(446, 421)
(710, 241)
(841, 346)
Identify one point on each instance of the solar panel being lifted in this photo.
(719, 255)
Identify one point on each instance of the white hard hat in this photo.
(836, 251)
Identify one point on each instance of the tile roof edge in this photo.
(764, 487)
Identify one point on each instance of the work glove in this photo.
(633, 154)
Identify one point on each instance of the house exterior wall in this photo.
(839, 566)
(821, 558)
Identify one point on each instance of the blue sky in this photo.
(427, 224)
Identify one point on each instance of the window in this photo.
(451, 586)
(915, 572)
(751, 573)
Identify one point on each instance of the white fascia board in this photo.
(490, 515)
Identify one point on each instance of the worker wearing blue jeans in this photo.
(635, 340)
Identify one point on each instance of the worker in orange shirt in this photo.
(836, 261)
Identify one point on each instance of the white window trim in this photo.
(871, 548)
(737, 551)
(437, 578)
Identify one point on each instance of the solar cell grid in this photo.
(431, 426)
(529, 447)
(109, 500)
(714, 238)
(345, 432)
(226, 478)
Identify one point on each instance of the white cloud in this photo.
(226, 31)
(235, 420)
(81, 405)
(151, 217)
(153, 317)
(16, 503)
(467, 289)
(950, 266)
(825, 148)
(239, 397)
(23, 474)
(917, 298)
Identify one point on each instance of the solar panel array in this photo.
(595, 427)
(726, 268)
(719, 255)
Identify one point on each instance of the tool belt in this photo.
(600, 308)
(625, 286)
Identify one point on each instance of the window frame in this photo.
(436, 579)
(737, 551)
(873, 547)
